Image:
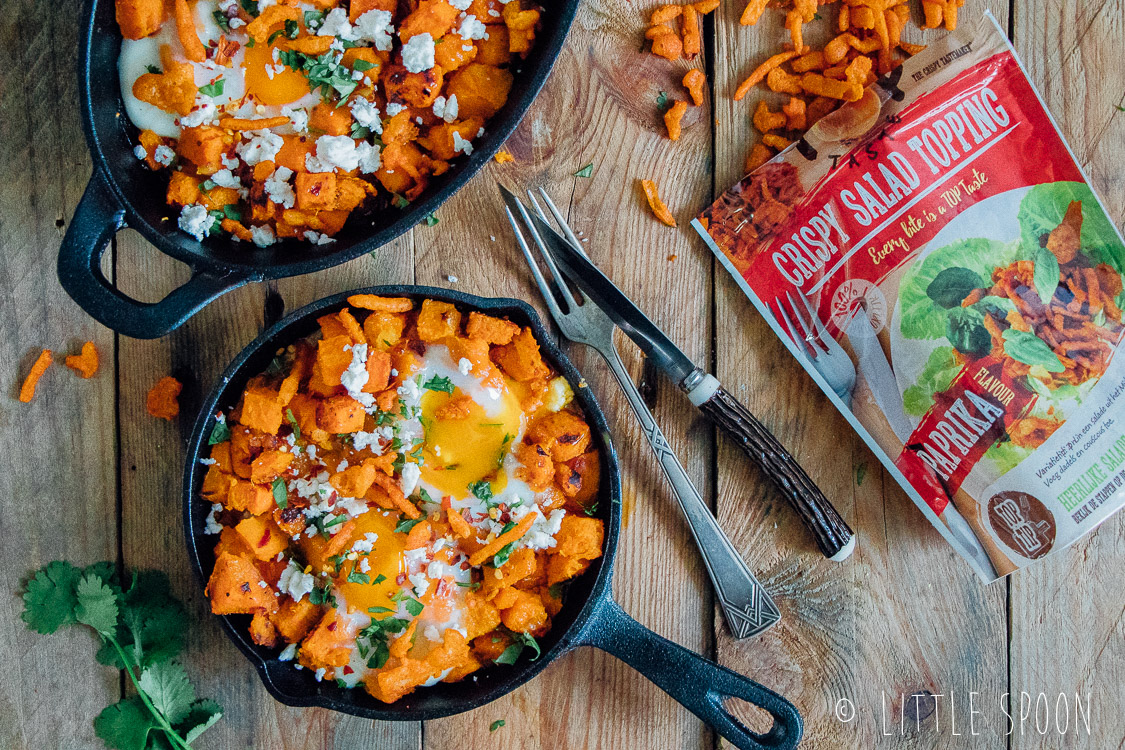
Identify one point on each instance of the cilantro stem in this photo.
(173, 735)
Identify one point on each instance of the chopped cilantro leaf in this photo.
(379, 578)
(280, 493)
(314, 18)
(414, 607)
(430, 219)
(220, 433)
(400, 201)
(406, 524)
(362, 65)
(482, 490)
(335, 521)
(496, 725)
(471, 585)
(591, 509)
(586, 171)
(153, 69)
(292, 29)
(273, 37)
(221, 19)
(438, 383)
(502, 555)
(250, 6)
(215, 88)
(293, 423)
(662, 100)
(355, 577)
(379, 610)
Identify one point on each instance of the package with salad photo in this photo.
(932, 254)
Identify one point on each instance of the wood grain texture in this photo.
(1068, 621)
(58, 488)
(866, 630)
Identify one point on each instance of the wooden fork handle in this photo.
(835, 539)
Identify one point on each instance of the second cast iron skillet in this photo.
(589, 617)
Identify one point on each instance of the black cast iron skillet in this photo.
(123, 193)
(589, 616)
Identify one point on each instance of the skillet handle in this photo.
(96, 219)
(697, 683)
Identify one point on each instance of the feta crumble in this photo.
(295, 582)
(196, 221)
(418, 53)
(333, 152)
(262, 147)
(262, 236)
(164, 155)
(279, 190)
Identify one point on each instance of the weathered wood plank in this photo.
(152, 462)
(58, 487)
(866, 628)
(1067, 618)
(600, 107)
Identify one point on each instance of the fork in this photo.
(745, 603)
(828, 357)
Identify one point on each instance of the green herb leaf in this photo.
(215, 88)
(662, 100)
(1031, 350)
(379, 578)
(293, 424)
(97, 605)
(357, 577)
(937, 374)
(314, 18)
(414, 607)
(221, 20)
(151, 623)
(400, 201)
(591, 509)
(250, 6)
(379, 610)
(125, 725)
(406, 524)
(359, 131)
(169, 690)
(200, 718)
(586, 171)
(555, 590)
(470, 585)
(362, 65)
(438, 383)
(292, 29)
(502, 555)
(430, 219)
(965, 330)
(380, 653)
(1047, 275)
(153, 69)
(335, 520)
(280, 493)
(272, 37)
(482, 490)
(50, 600)
(952, 285)
(496, 725)
(860, 474)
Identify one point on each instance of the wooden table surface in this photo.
(87, 475)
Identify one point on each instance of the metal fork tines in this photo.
(746, 604)
(814, 341)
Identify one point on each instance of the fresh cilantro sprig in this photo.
(519, 643)
(141, 628)
(331, 78)
(440, 384)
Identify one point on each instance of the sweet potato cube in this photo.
(521, 358)
(203, 146)
(580, 538)
(250, 497)
(437, 320)
(354, 481)
(453, 649)
(334, 356)
(489, 646)
(232, 543)
(520, 565)
(316, 191)
(388, 685)
(340, 415)
(331, 120)
(269, 465)
(481, 90)
(139, 18)
(216, 485)
(561, 568)
(537, 469)
(262, 631)
(433, 17)
(480, 615)
(492, 330)
(294, 620)
(235, 587)
(580, 477)
(564, 433)
(327, 644)
(384, 329)
(526, 615)
(261, 410)
(263, 536)
(220, 454)
(378, 370)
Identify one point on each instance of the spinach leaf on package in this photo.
(952, 285)
(1046, 277)
(938, 373)
(1031, 350)
(965, 330)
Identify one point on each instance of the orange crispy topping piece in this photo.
(42, 362)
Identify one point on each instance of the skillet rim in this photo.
(563, 636)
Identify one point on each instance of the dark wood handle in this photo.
(832, 534)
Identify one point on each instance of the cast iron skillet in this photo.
(589, 616)
(123, 193)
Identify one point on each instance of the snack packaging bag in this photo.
(942, 233)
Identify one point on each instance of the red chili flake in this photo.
(331, 626)
(315, 189)
(401, 579)
(465, 565)
(265, 539)
(347, 669)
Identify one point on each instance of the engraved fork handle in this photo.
(745, 602)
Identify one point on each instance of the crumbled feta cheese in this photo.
(472, 28)
(333, 152)
(464, 366)
(411, 472)
(211, 523)
(370, 159)
(542, 533)
(139, 152)
(460, 144)
(225, 178)
(393, 108)
(410, 392)
(364, 565)
(342, 465)
(320, 674)
(431, 633)
(195, 220)
(366, 114)
(208, 461)
(203, 112)
(451, 278)
(288, 653)
(367, 441)
(279, 190)
(375, 26)
(355, 377)
(420, 583)
(461, 4)
(366, 544)
(262, 236)
(229, 162)
(418, 53)
(163, 155)
(262, 147)
(352, 506)
(296, 582)
(336, 24)
(317, 238)
(298, 118)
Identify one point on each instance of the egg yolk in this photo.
(385, 559)
(286, 86)
(463, 449)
